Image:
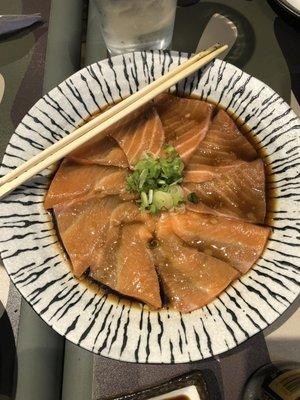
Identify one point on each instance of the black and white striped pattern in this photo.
(116, 329)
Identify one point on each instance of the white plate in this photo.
(129, 332)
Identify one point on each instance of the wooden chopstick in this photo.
(103, 121)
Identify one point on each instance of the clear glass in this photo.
(130, 25)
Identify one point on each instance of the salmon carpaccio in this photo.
(191, 254)
(185, 121)
(103, 151)
(239, 193)
(236, 242)
(140, 133)
(223, 147)
(191, 278)
(74, 180)
(126, 265)
(83, 225)
(93, 235)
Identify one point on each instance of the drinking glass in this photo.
(130, 25)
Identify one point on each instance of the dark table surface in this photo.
(35, 362)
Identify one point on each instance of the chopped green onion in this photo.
(169, 149)
(150, 196)
(162, 200)
(153, 179)
(175, 182)
(153, 209)
(193, 198)
(144, 199)
(143, 177)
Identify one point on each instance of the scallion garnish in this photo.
(144, 198)
(156, 180)
(150, 196)
(193, 198)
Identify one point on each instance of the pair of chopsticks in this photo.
(103, 121)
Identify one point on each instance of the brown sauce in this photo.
(114, 296)
(180, 397)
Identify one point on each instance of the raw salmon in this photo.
(190, 278)
(137, 275)
(223, 144)
(240, 194)
(124, 262)
(95, 234)
(185, 121)
(83, 226)
(102, 151)
(127, 265)
(236, 242)
(73, 180)
(139, 133)
(128, 212)
(202, 173)
(223, 147)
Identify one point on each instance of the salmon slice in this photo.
(222, 145)
(83, 226)
(236, 242)
(128, 265)
(190, 279)
(124, 262)
(139, 133)
(185, 121)
(203, 173)
(129, 212)
(137, 275)
(240, 194)
(73, 180)
(102, 151)
(124, 213)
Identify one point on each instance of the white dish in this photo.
(129, 331)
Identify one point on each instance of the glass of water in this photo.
(130, 25)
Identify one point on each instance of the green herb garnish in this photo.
(193, 198)
(156, 180)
